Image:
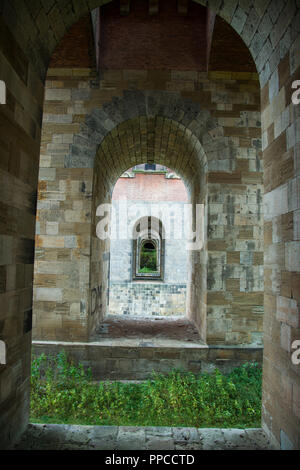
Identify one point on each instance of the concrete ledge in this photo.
(138, 362)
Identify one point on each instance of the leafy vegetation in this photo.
(64, 393)
(148, 258)
(145, 269)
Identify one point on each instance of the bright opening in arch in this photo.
(148, 262)
(149, 269)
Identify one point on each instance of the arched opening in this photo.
(148, 256)
(214, 146)
(62, 296)
(148, 249)
(192, 167)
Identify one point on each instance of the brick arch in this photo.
(256, 23)
(153, 140)
(147, 137)
(56, 18)
(155, 114)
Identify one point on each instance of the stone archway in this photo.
(244, 17)
(107, 145)
(187, 116)
(148, 138)
(271, 31)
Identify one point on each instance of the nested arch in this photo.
(148, 249)
(145, 117)
(154, 139)
(245, 17)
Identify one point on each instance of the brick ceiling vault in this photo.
(153, 140)
(144, 126)
(42, 25)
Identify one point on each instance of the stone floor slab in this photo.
(75, 437)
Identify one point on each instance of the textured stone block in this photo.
(48, 294)
(58, 95)
(288, 311)
(285, 337)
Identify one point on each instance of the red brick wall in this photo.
(164, 41)
(77, 47)
(153, 188)
(228, 50)
(210, 24)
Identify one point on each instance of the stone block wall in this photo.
(175, 253)
(137, 362)
(62, 292)
(20, 130)
(144, 299)
(281, 146)
(232, 255)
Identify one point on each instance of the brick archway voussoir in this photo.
(136, 104)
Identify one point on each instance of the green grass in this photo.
(63, 393)
(147, 270)
(148, 261)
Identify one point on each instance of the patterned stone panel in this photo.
(147, 299)
(235, 213)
